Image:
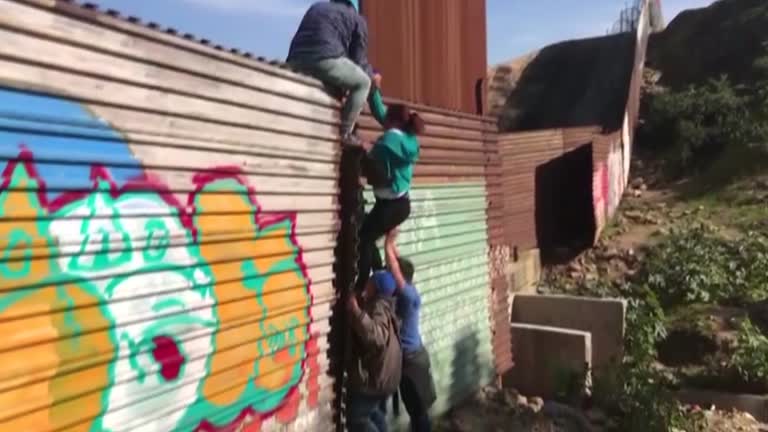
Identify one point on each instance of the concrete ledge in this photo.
(756, 405)
(604, 319)
(546, 357)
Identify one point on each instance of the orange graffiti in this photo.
(60, 327)
(261, 334)
(64, 365)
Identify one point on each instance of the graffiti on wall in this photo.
(615, 179)
(626, 151)
(125, 308)
(600, 195)
(608, 184)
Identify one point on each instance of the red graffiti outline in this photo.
(149, 184)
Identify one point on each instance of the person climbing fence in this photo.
(331, 44)
(392, 157)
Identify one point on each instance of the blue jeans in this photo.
(364, 413)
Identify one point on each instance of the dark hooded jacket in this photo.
(331, 30)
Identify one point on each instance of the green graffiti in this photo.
(110, 257)
(18, 240)
(158, 241)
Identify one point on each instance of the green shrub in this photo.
(690, 266)
(750, 358)
(638, 394)
(694, 126)
(698, 265)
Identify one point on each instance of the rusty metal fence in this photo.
(177, 223)
(544, 169)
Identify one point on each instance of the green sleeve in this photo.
(376, 103)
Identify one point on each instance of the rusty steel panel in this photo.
(168, 216)
(575, 137)
(524, 154)
(499, 256)
(521, 154)
(429, 51)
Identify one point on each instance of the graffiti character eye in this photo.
(101, 250)
(17, 255)
(158, 240)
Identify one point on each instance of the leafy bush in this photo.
(697, 265)
(692, 127)
(689, 267)
(750, 358)
(634, 390)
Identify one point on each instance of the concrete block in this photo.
(756, 405)
(524, 274)
(547, 359)
(604, 319)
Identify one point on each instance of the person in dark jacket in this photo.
(331, 44)
(417, 388)
(375, 361)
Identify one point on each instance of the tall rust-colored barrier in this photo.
(538, 164)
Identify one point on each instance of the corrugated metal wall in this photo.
(168, 219)
(430, 52)
(167, 225)
(455, 238)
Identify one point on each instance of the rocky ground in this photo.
(649, 210)
(495, 410)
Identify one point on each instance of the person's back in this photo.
(374, 364)
(326, 31)
(331, 44)
(397, 150)
(408, 308)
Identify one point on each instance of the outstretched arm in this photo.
(390, 249)
(377, 105)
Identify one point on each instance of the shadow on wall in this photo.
(465, 369)
(575, 83)
(565, 222)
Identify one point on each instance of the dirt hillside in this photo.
(574, 83)
(729, 37)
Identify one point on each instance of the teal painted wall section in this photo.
(446, 238)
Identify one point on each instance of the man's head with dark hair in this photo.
(406, 267)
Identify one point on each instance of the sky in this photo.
(265, 27)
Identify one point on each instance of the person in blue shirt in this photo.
(331, 44)
(417, 388)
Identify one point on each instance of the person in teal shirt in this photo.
(394, 155)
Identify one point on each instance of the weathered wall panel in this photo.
(168, 218)
(613, 150)
(448, 246)
(430, 51)
(455, 237)
(167, 225)
(524, 154)
(521, 154)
